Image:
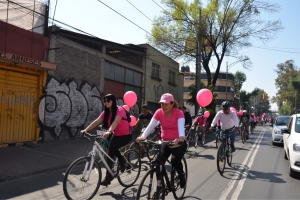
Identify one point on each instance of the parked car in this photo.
(280, 122)
(291, 142)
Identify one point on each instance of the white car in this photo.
(280, 122)
(291, 142)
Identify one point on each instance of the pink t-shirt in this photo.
(200, 120)
(169, 126)
(123, 126)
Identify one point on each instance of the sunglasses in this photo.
(106, 101)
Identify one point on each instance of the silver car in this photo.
(279, 123)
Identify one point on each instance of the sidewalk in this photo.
(30, 159)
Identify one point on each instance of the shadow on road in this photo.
(193, 154)
(239, 172)
(191, 197)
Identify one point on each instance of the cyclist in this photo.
(172, 129)
(245, 120)
(187, 117)
(114, 120)
(228, 120)
(252, 120)
(201, 123)
(145, 118)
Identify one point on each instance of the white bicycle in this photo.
(83, 177)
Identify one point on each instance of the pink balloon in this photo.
(130, 98)
(133, 120)
(232, 109)
(126, 107)
(204, 97)
(206, 114)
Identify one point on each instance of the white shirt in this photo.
(227, 120)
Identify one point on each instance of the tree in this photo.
(287, 84)
(223, 28)
(239, 79)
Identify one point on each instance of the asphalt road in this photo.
(259, 171)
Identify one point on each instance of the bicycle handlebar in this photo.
(160, 143)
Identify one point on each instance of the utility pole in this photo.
(198, 62)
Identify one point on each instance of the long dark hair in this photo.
(114, 108)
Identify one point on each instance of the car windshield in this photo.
(282, 121)
(297, 127)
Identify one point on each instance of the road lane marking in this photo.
(243, 169)
(240, 185)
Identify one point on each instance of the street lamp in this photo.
(230, 65)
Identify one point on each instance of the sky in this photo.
(97, 19)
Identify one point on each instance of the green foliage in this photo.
(239, 79)
(288, 85)
(223, 27)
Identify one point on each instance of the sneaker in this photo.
(122, 165)
(105, 182)
(182, 180)
(232, 149)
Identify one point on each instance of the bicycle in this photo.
(192, 137)
(156, 183)
(202, 135)
(252, 127)
(83, 177)
(224, 151)
(243, 135)
(148, 148)
(218, 138)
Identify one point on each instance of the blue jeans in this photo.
(231, 136)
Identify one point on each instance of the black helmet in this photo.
(225, 105)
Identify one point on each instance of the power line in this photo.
(140, 11)
(276, 50)
(54, 11)
(159, 5)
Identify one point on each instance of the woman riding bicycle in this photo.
(114, 120)
(172, 129)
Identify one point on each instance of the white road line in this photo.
(240, 185)
(243, 169)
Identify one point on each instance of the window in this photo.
(171, 77)
(121, 74)
(155, 70)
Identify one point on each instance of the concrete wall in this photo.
(73, 93)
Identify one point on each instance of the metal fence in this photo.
(26, 14)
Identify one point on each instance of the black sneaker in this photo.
(122, 165)
(105, 182)
(182, 180)
(232, 149)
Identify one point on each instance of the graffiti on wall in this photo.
(67, 106)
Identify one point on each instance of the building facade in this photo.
(23, 73)
(224, 81)
(161, 76)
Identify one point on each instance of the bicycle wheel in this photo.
(229, 155)
(175, 181)
(78, 183)
(221, 159)
(243, 137)
(151, 153)
(132, 169)
(148, 187)
(217, 140)
(202, 139)
(135, 146)
(196, 140)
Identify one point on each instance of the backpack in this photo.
(127, 116)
